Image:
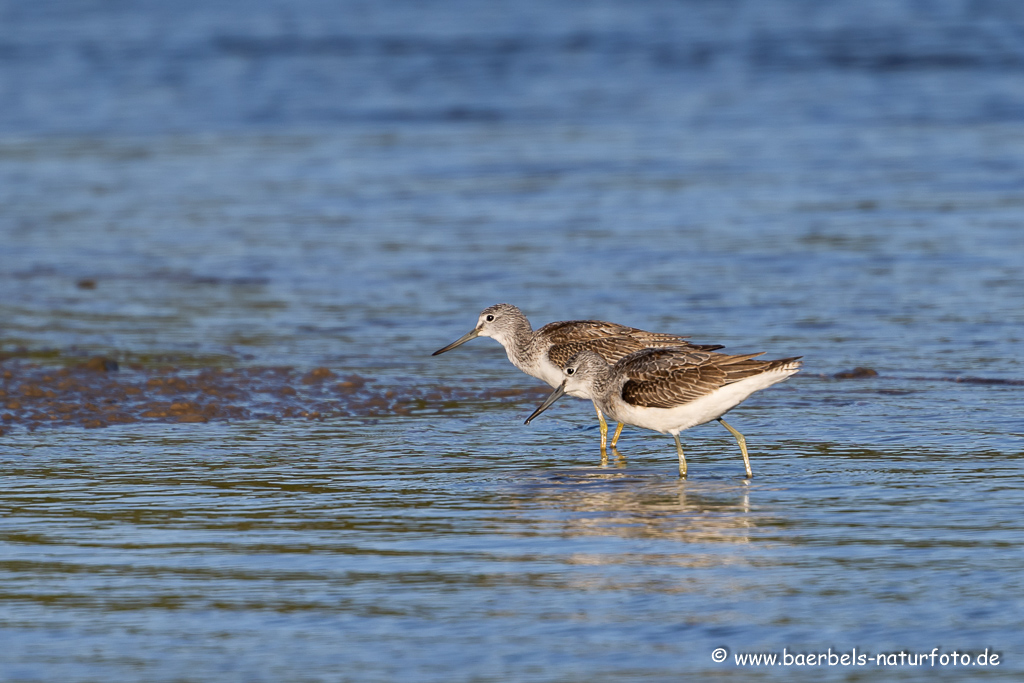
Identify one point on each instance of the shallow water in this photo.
(295, 185)
(469, 548)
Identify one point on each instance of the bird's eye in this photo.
(489, 318)
(570, 371)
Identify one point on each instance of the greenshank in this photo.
(670, 389)
(543, 353)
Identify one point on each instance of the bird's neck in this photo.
(603, 386)
(518, 340)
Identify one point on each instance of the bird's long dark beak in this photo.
(458, 342)
(555, 395)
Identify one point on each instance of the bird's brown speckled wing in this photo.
(666, 378)
(584, 330)
(609, 340)
(611, 349)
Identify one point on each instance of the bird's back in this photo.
(611, 341)
(666, 378)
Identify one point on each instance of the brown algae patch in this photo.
(101, 392)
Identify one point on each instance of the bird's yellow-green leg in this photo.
(682, 458)
(618, 431)
(743, 446)
(604, 428)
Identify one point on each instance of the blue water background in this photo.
(348, 183)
